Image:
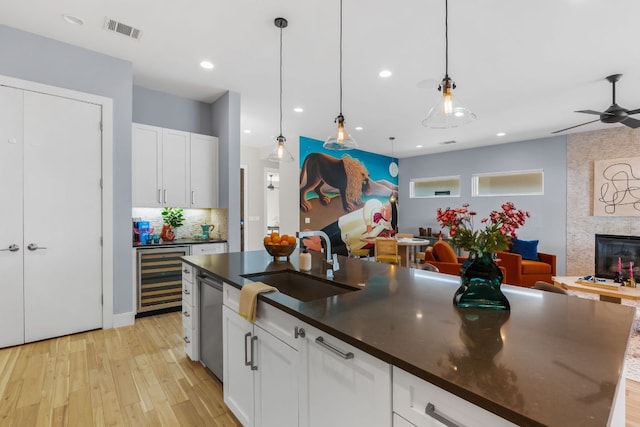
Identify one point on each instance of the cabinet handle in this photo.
(193, 197)
(247, 362)
(186, 314)
(299, 332)
(186, 292)
(430, 410)
(34, 247)
(254, 367)
(336, 350)
(187, 340)
(159, 197)
(186, 271)
(165, 196)
(11, 248)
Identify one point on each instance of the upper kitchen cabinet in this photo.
(204, 171)
(174, 168)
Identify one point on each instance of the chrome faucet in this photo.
(329, 260)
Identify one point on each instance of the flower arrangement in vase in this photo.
(172, 218)
(480, 277)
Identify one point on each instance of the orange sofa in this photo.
(444, 257)
(524, 272)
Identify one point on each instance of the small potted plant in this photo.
(172, 218)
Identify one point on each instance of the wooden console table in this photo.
(609, 295)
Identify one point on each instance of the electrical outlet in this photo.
(307, 220)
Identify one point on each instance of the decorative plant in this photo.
(499, 228)
(173, 216)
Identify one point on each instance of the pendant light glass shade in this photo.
(448, 112)
(280, 153)
(341, 140)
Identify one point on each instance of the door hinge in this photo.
(102, 299)
(101, 183)
(100, 240)
(100, 126)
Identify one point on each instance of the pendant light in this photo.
(280, 153)
(341, 140)
(393, 169)
(447, 113)
(270, 186)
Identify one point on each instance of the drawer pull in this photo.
(431, 411)
(186, 271)
(299, 332)
(186, 292)
(336, 350)
(187, 340)
(186, 314)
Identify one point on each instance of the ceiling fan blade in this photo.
(631, 122)
(636, 111)
(572, 127)
(592, 112)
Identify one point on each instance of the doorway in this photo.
(272, 200)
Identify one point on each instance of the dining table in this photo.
(407, 248)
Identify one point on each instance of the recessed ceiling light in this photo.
(72, 19)
(500, 134)
(247, 131)
(298, 110)
(358, 128)
(419, 146)
(207, 65)
(385, 74)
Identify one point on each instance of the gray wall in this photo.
(30, 57)
(154, 108)
(226, 126)
(548, 212)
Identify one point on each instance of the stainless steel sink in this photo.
(301, 286)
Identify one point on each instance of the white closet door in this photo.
(62, 215)
(11, 155)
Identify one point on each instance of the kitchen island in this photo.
(552, 360)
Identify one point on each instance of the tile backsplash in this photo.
(194, 218)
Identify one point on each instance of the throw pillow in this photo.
(528, 249)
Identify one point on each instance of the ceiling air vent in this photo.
(124, 29)
(448, 142)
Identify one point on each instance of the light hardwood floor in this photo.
(132, 376)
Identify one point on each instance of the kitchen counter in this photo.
(552, 360)
(178, 242)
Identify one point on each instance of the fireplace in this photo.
(609, 248)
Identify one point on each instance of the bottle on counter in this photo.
(304, 260)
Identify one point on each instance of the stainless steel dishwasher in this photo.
(211, 323)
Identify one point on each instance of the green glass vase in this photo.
(480, 280)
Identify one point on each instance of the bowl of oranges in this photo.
(279, 246)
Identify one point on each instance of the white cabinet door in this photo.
(146, 151)
(276, 382)
(237, 373)
(204, 171)
(11, 228)
(343, 386)
(62, 216)
(175, 168)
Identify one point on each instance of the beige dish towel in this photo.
(249, 299)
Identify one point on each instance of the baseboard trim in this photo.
(124, 319)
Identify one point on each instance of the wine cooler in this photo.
(160, 277)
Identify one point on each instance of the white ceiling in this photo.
(522, 66)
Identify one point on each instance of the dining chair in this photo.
(386, 250)
(356, 253)
(404, 235)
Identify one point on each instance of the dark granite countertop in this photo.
(552, 360)
(178, 242)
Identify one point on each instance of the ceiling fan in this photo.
(613, 114)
